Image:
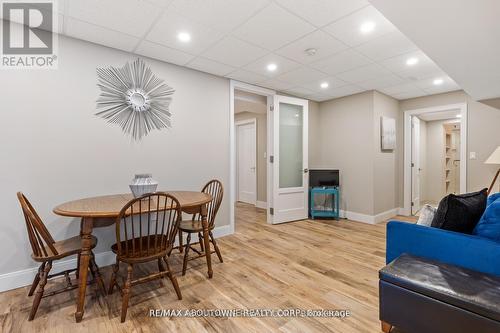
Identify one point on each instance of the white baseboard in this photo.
(261, 204)
(24, 277)
(370, 219)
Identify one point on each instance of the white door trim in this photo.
(252, 121)
(407, 148)
(237, 85)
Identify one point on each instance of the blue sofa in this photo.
(469, 251)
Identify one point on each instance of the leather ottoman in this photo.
(419, 295)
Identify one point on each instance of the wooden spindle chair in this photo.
(194, 226)
(46, 250)
(145, 231)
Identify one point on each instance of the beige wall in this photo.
(385, 172)
(483, 135)
(346, 132)
(261, 148)
(434, 176)
(55, 149)
(314, 135)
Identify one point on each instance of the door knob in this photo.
(306, 170)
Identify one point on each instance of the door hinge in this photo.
(271, 211)
(412, 165)
(412, 204)
(271, 159)
(272, 107)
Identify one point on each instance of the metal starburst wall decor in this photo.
(134, 98)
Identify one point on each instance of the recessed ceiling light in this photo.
(437, 81)
(367, 27)
(459, 116)
(272, 67)
(311, 51)
(324, 85)
(184, 37)
(412, 61)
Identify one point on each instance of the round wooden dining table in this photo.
(103, 210)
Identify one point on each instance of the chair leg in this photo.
(41, 287)
(161, 269)
(186, 249)
(94, 269)
(386, 327)
(173, 279)
(180, 241)
(77, 272)
(36, 280)
(200, 240)
(126, 292)
(112, 281)
(212, 239)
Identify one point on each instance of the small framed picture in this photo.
(388, 133)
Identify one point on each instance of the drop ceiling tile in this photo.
(428, 84)
(398, 64)
(333, 83)
(276, 84)
(411, 94)
(301, 75)
(163, 53)
(223, 15)
(210, 66)
(378, 83)
(246, 76)
(283, 65)
(344, 91)
(387, 46)
(348, 30)
(324, 44)
(273, 27)
(365, 73)
(234, 52)
(299, 91)
(407, 87)
(169, 25)
(99, 35)
(322, 12)
(341, 62)
(318, 97)
(133, 17)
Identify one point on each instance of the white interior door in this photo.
(415, 165)
(246, 138)
(290, 159)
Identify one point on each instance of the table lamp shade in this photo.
(494, 158)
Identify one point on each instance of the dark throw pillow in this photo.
(460, 213)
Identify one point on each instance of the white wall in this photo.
(54, 149)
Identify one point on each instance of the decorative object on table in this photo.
(426, 215)
(460, 213)
(388, 133)
(134, 98)
(142, 184)
(494, 159)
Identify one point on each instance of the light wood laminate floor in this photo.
(320, 264)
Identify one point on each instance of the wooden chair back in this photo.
(147, 226)
(40, 238)
(216, 190)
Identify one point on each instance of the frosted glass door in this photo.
(291, 152)
(290, 173)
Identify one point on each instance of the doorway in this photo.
(435, 155)
(282, 121)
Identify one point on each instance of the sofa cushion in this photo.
(460, 213)
(426, 215)
(467, 289)
(489, 224)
